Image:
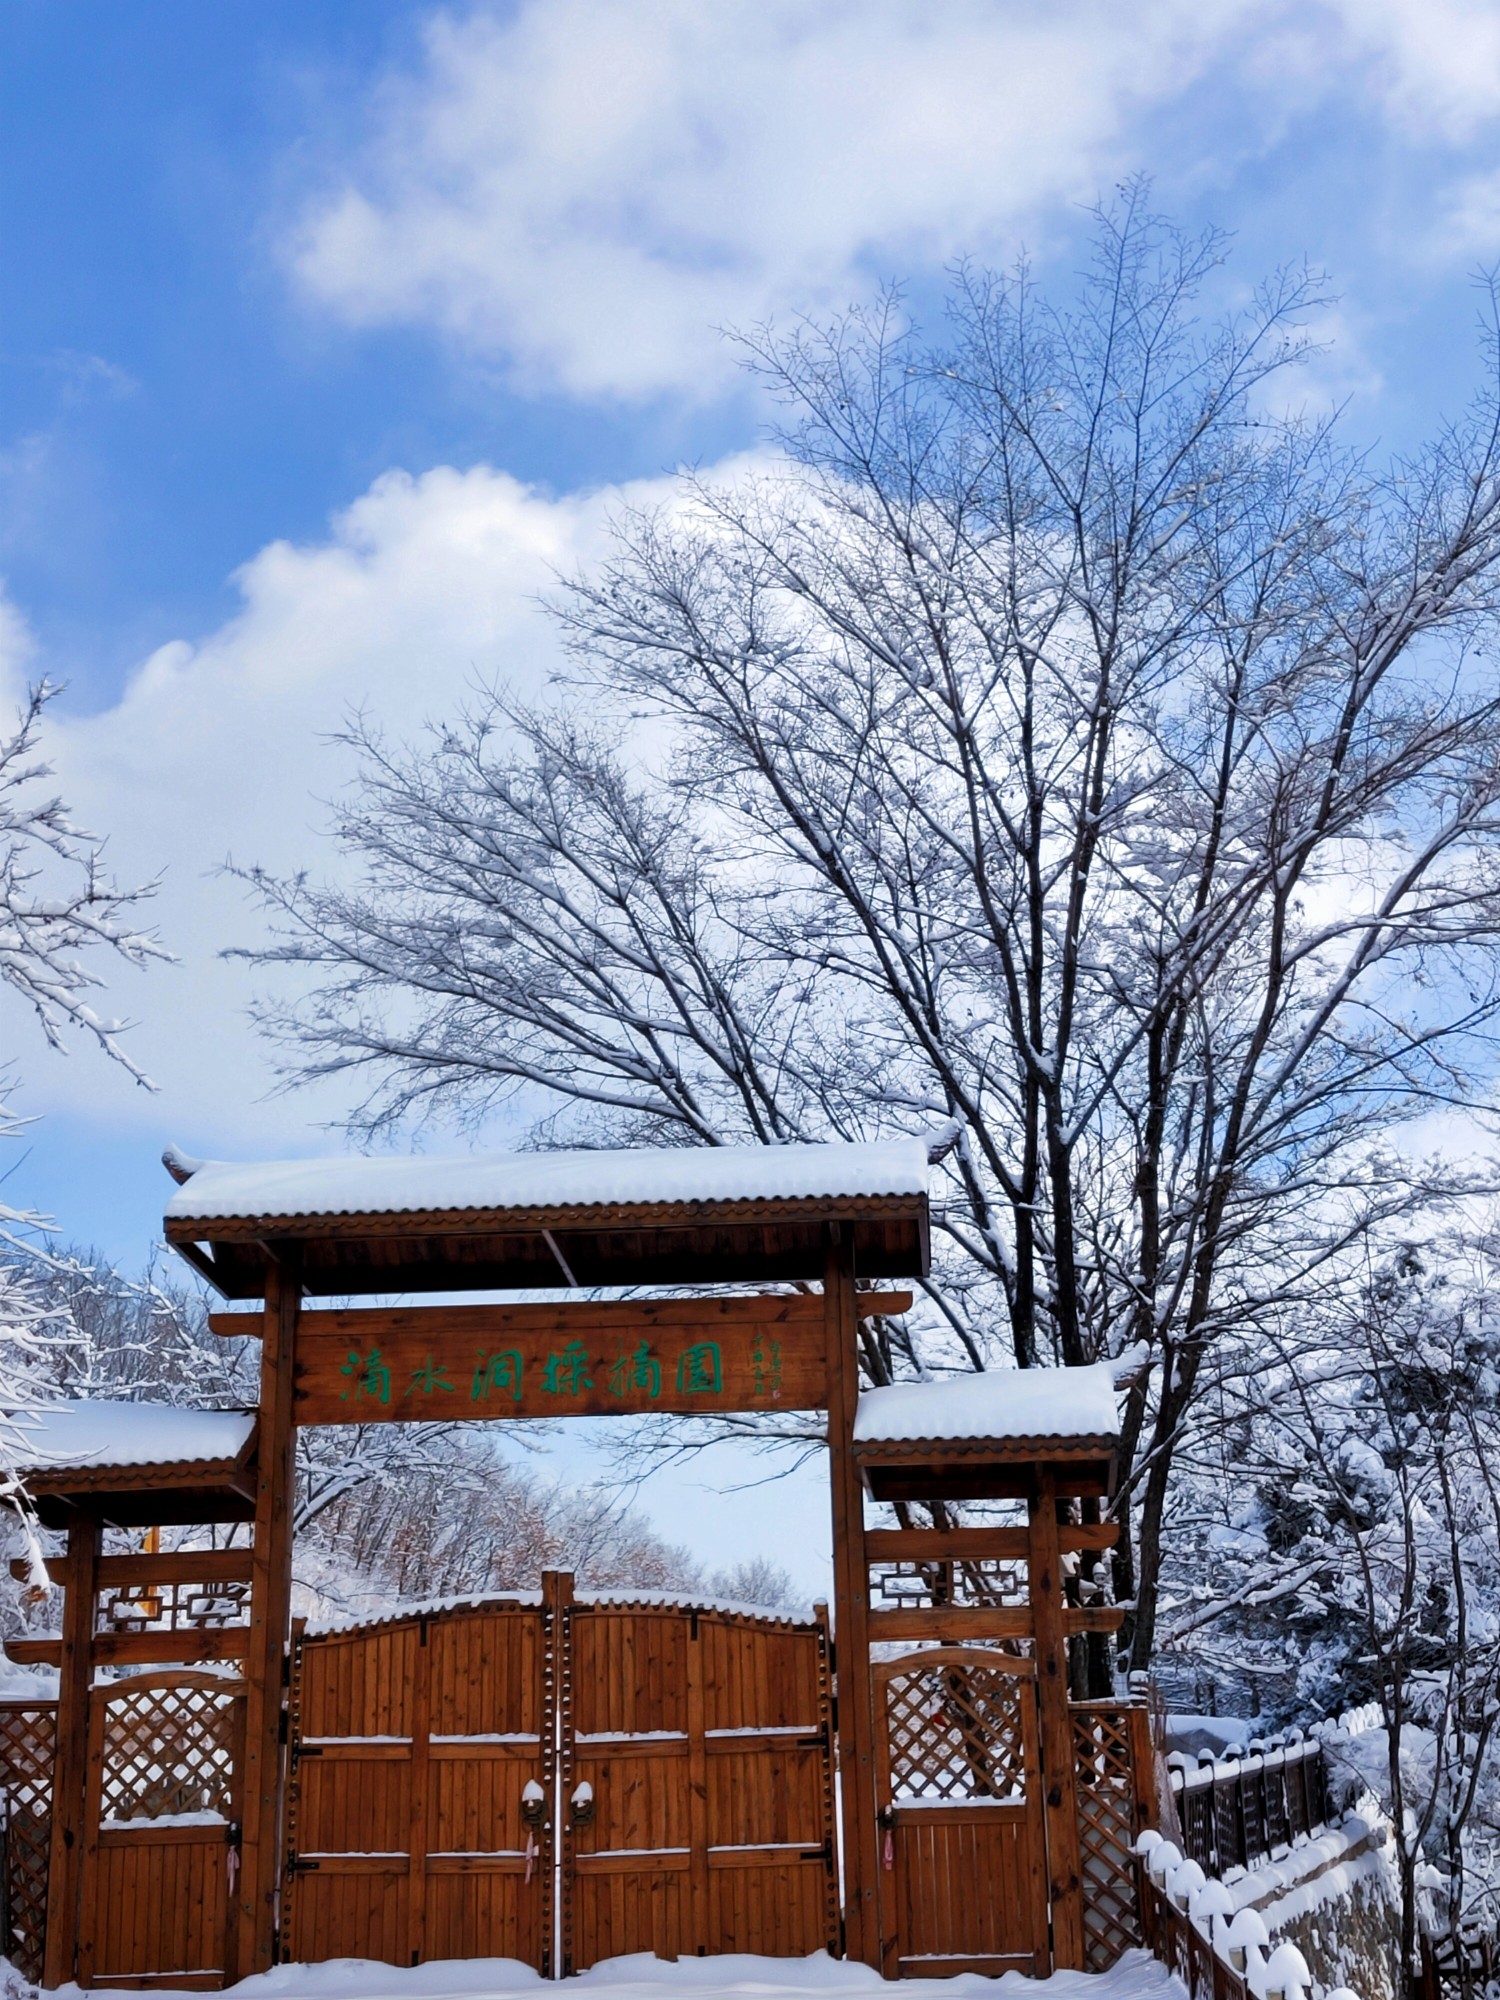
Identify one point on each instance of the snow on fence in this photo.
(1218, 1953)
(1239, 1810)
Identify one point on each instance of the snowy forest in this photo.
(1061, 743)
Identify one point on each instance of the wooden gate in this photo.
(963, 1845)
(697, 1783)
(686, 1754)
(161, 1830)
(422, 1760)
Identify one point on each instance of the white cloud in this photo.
(583, 190)
(422, 587)
(1468, 223)
(1434, 65)
(588, 188)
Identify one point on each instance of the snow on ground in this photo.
(1001, 1403)
(217, 1189)
(1138, 1976)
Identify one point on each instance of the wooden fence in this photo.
(1241, 1811)
(27, 1730)
(1173, 1937)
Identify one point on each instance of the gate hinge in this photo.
(297, 1866)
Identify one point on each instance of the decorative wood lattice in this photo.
(1107, 1827)
(27, 1736)
(955, 1732)
(174, 1607)
(168, 1750)
(901, 1585)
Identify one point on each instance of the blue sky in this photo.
(328, 331)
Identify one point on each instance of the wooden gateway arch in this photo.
(557, 1777)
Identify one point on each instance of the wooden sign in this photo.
(423, 1364)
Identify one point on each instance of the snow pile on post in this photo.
(67, 1436)
(217, 1190)
(1001, 1403)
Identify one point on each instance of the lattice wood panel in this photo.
(27, 1740)
(174, 1607)
(167, 1750)
(901, 1585)
(1107, 1827)
(955, 1732)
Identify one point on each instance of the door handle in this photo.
(533, 1803)
(581, 1804)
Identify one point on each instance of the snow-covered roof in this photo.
(66, 1437)
(329, 1623)
(218, 1190)
(1002, 1403)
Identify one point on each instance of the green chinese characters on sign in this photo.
(498, 1374)
(765, 1363)
(567, 1374)
(369, 1377)
(431, 1379)
(640, 1370)
(699, 1370)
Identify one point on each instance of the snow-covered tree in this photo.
(1337, 1537)
(60, 915)
(1062, 748)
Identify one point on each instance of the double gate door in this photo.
(963, 1840)
(560, 1782)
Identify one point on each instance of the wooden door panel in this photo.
(959, 1787)
(160, 1830)
(476, 1792)
(771, 1795)
(628, 1671)
(640, 1799)
(705, 1739)
(413, 1743)
(965, 1889)
(353, 1803)
(617, 1909)
(363, 1913)
(768, 1908)
(160, 1907)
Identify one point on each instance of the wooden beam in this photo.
(178, 1566)
(70, 1756)
(851, 1609)
(578, 1318)
(139, 1572)
(980, 1544)
(1060, 1792)
(139, 1649)
(1093, 1618)
(253, 1931)
(952, 1621)
(1077, 1537)
(947, 1544)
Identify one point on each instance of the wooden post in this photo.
(1143, 1771)
(851, 1609)
(554, 1836)
(70, 1757)
(1059, 1778)
(270, 1616)
(420, 1830)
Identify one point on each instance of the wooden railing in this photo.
(1238, 1812)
